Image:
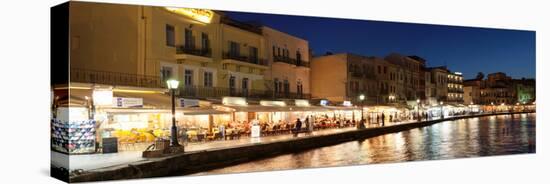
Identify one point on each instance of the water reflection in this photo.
(493, 135)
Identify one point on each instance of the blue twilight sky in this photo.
(462, 49)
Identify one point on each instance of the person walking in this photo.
(298, 127)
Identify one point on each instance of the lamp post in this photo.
(173, 85)
(362, 99)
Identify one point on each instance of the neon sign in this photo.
(201, 15)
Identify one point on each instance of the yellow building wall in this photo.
(104, 37)
(282, 71)
(158, 53)
(329, 77)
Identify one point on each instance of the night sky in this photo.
(462, 49)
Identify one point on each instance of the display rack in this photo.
(74, 136)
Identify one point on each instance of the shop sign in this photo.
(234, 101)
(272, 103)
(324, 102)
(201, 15)
(102, 97)
(347, 103)
(127, 102)
(301, 103)
(184, 102)
(255, 129)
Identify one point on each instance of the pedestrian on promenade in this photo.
(391, 118)
(377, 119)
(307, 123)
(298, 127)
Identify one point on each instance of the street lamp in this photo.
(362, 99)
(173, 85)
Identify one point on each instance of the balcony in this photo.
(115, 78)
(218, 92)
(455, 90)
(190, 52)
(286, 60)
(235, 58)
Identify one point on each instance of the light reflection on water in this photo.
(473, 137)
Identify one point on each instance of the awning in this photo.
(185, 111)
(342, 108)
(152, 103)
(260, 108)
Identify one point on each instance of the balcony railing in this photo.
(204, 52)
(284, 60)
(290, 61)
(451, 90)
(115, 78)
(238, 57)
(217, 92)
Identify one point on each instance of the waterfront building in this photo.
(439, 77)
(455, 91)
(498, 88)
(288, 58)
(344, 76)
(413, 75)
(472, 92)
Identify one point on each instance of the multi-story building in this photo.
(498, 89)
(211, 54)
(472, 92)
(413, 75)
(288, 59)
(438, 78)
(344, 76)
(455, 90)
(387, 82)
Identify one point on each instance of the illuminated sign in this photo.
(184, 102)
(201, 15)
(301, 103)
(234, 101)
(255, 129)
(347, 103)
(272, 103)
(127, 102)
(323, 102)
(103, 97)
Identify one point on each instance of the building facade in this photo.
(344, 77)
(288, 60)
(455, 88)
(211, 54)
(411, 74)
(498, 88)
(472, 92)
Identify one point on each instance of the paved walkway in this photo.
(95, 161)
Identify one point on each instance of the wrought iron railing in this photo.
(205, 52)
(115, 78)
(124, 79)
(238, 57)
